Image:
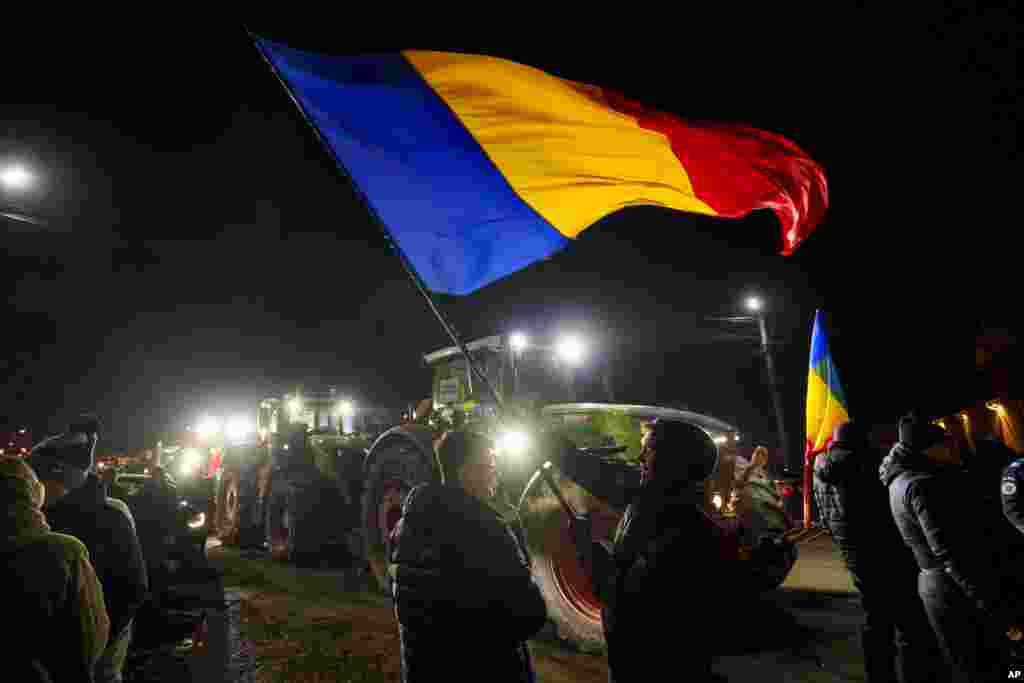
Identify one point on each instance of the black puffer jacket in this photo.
(462, 584)
(931, 504)
(854, 506)
(669, 570)
(113, 547)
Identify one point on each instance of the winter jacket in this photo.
(931, 506)
(462, 584)
(60, 625)
(113, 546)
(669, 569)
(854, 506)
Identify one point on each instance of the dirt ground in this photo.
(305, 627)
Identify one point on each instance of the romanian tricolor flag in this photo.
(826, 403)
(479, 166)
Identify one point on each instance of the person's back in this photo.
(854, 505)
(61, 625)
(77, 505)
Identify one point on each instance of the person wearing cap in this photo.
(52, 590)
(957, 582)
(461, 575)
(77, 505)
(896, 638)
(664, 564)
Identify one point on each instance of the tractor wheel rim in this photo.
(389, 510)
(572, 581)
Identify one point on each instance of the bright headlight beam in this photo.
(513, 443)
(238, 427)
(208, 427)
(570, 349)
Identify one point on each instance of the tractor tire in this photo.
(228, 520)
(277, 523)
(319, 525)
(396, 467)
(573, 607)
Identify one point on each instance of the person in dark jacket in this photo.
(77, 506)
(897, 639)
(957, 583)
(461, 577)
(663, 565)
(57, 620)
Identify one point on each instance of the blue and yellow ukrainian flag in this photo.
(479, 166)
(826, 403)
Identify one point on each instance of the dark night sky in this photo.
(203, 252)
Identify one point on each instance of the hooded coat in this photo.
(62, 618)
(113, 546)
(926, 501)
(462, 578)
(668, 572)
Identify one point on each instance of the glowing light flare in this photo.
(16, 177)
(208, 427)
(570, 350)
(198, 521)
(519, 342)
(513, 443)
(238, 428)
(716, 500)
(295, 406)
(996, 407)
(721, 439)
(754, 304)
(346, 408)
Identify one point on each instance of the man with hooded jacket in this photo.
(957, 581)
(664, 561)
(461, 574)
(52, 590)
(76, 505)
(896, 638)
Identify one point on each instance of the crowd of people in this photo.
(75, 555)
(930, 547)
(935, 549)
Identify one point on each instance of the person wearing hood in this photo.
(957, 581)
(663, 561)
(53, 593)
(462, 575)
(77, 505)
(896, 637)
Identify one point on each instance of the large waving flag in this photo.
(479, 166)
(826, 403)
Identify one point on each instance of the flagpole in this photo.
(406, 263)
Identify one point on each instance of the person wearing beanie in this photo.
(62, 625)
(663, 565)
(77, 505)
(957, 580)
(896, 638)
(462, 576)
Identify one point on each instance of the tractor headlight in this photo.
(189, 462)
(513, 443)
(197, 521)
